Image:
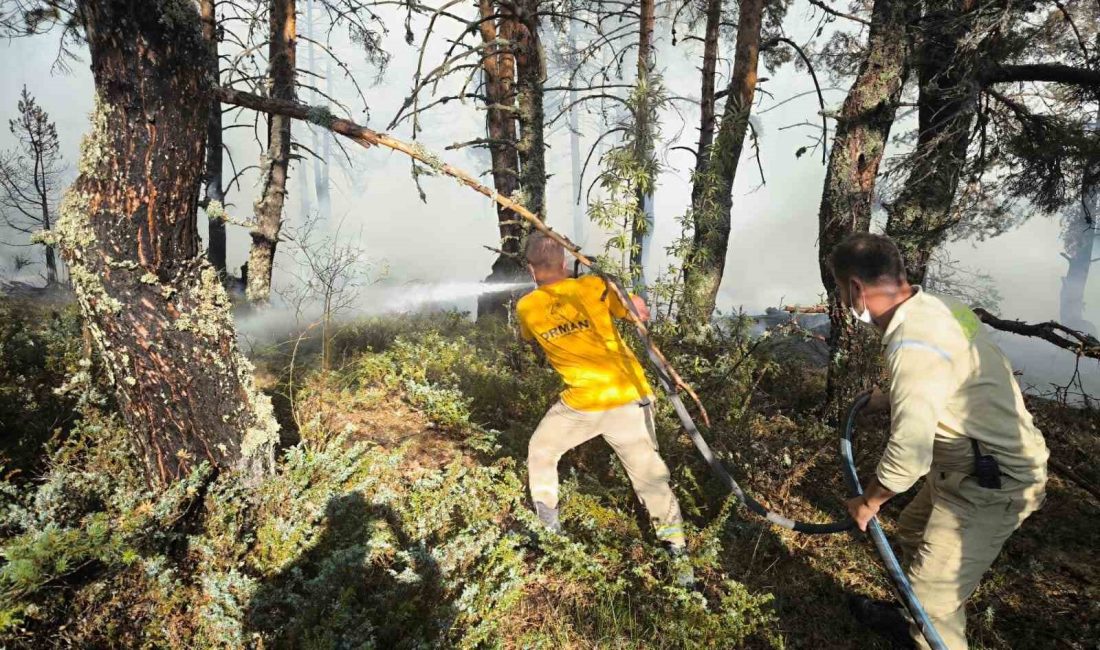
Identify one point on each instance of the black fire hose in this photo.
(851, 476)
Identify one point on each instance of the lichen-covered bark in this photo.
(212, 178)
(862, 132)
(712, 193)
(643, 146)
(947, 61)
(268, 208)
(128, 229)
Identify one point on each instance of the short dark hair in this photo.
(871, 258)
(543, 252)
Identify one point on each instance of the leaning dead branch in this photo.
(1080, 343)
(369, 138)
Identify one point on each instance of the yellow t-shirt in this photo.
(572, 320)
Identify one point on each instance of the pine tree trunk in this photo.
(513, 82)
(128, 229)
(530, 75)
(643, 225)
(947, 66)
(214, 191)
(268, 209)
(51, 259)
(713, 191)
(863, 130)
(579, 217)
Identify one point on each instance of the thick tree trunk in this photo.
(514, 78)
(863, 129)
(499, 72)
(643, 149)
(1079, 237)
(212, 179)
(713, 191)
(948, 66)
(128, 229)
(268, 208)
(530, 75)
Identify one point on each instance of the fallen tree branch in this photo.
(366, 137)
(1074, 477)
(812, 309)
(1081, 344)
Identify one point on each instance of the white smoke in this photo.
(279, 318)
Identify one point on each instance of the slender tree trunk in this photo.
(579, 217)
(947, 66)
(642, 229)
(499, 71)
(713, 194)
(707, 101)
(268, 209)
(212, 180)
(128, 229)
(51, 259)
(321, 173)
(862, 132)
(1079, 237)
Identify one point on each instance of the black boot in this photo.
(885, 618)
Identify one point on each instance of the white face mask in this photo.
(863, 316)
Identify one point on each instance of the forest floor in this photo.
(398, 517)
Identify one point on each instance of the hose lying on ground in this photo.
(851, 476)
(668, 382)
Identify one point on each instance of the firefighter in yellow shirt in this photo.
(958, 419)
(606, 391)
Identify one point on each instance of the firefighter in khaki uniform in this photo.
(958, 419)
(606, 391)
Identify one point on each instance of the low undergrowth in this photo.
(399, 519)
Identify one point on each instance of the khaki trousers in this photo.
(950, 534)
(630, 432)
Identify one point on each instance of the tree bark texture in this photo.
(712, 194)
(499, 70)
(128, 229)
(268, 208)
(643, 147)
(212, 178)
(862, 132)
(530, 75)
(947, 65)
(514, 74)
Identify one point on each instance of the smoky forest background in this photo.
(261, 384)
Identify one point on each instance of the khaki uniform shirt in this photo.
(950, 383)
